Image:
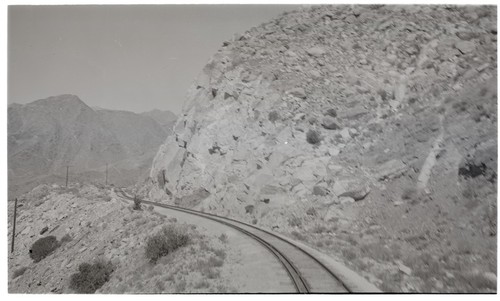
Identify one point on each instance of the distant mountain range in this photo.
(47, 135)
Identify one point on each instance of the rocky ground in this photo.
(369, 132)
(92, 223)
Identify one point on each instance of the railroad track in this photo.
(307, 273)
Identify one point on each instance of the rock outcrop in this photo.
(346, 110)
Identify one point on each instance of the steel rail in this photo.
(298, 280)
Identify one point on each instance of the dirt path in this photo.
(252, 269)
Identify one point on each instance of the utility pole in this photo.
(67, 172)
(106, 174)
(14, 227)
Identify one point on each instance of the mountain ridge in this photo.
(48, 134)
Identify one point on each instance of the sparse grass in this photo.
(91, 277)
(409, 194)
(43, 247)
(201, 284)
(478, 282)
(180, 286)
(164, 242)
(352, 240)
(376, 251)
(464, 246)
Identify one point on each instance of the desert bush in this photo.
(348, 254)
(313, 137)
(91, 277)
(294, 221)
(298, 236)
(19, 272)
(137, 204)
(318, 229)
(249, 209)
(311, 211)
(223, 238)
(164, 242)
(409, 194)
(43, 247)
(273, 116)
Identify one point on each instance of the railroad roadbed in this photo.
(273, 263)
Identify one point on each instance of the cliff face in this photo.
(371, 82)
(375, 121)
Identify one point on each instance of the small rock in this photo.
(466, 35)
(482, 67)
(403, 268)
(26, 230)
(298, 92)
(357, 193)
(491, 277)
(331, 112)
(439, 285)
(465, 46)
(345, 134)
(449, 275)
(82, 249)
(346, 200)
(329, 123)
(321, 191)
(316, 51)
(44, 229)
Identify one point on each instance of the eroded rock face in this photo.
(371, 81)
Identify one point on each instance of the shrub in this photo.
(223, 238)
(294, 221)
(298, 236)
(273, 116)
(164, 242)
(348, 254)
(137, 204)
(91, 277)
(43, 247)
(313, 137)
(311, 211)
(409, 194)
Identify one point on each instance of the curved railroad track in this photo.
(307, 273)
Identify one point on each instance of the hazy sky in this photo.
(134, 58)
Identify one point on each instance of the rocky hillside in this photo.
(368, 131)
(91, 224)
(46, 135)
